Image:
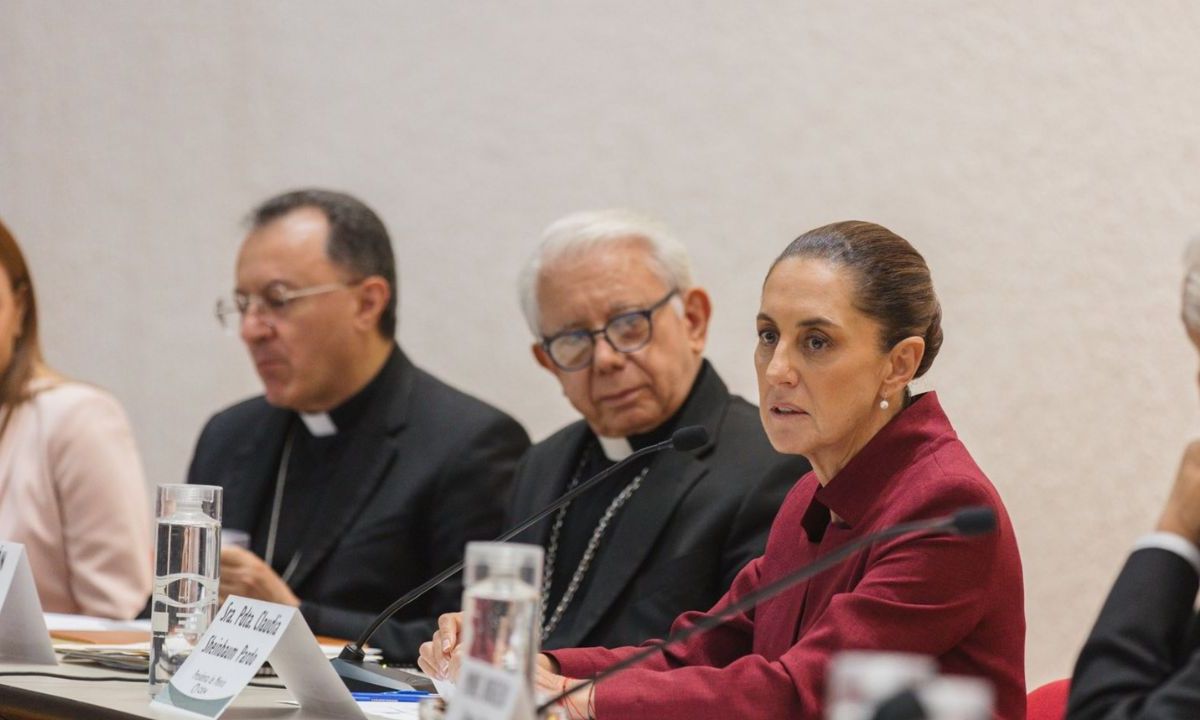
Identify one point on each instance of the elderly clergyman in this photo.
(618, 321)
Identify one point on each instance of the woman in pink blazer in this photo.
(71, 483)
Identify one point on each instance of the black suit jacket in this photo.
(1142, 659)
(683, 536)
(429, 469)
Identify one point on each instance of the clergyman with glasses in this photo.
(356, 474)
(618, 321)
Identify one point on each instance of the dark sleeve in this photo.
(718, 647)
(1137, 663)
(199, 471)
(471, 497)
(747, 536)
(514, 508)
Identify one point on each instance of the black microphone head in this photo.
(903, 706)
(974, 520)
(689, 438)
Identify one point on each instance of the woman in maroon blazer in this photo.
(848, 318)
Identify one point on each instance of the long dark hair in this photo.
(27, 351)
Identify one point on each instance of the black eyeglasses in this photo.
(628, 332)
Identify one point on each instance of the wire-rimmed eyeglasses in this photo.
(272, 301)
(628, 332)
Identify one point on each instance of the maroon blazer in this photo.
(957, 599)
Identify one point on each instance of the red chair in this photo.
(1049, 702)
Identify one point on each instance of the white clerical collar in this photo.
(319, 424)
(615, 449)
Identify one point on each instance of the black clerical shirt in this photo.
(312, 461)
(584, 514)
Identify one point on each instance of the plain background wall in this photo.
(1041, 155)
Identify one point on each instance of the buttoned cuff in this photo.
(1173, 543)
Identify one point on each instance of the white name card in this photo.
(243, 636)
(23, 635)
(484, 692)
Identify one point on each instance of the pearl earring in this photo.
(883, 404)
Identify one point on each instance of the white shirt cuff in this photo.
(1171, 542)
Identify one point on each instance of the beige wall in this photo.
(1042, 155)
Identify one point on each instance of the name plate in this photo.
(23, 635)
(244, 635)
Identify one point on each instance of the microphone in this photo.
(974, 521)
(903, 706)
(689, 438)
(349, 663)
(967, 521)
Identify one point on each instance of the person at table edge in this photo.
(357, 474)
(621, 325)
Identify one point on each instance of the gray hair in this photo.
(583, 232)
(1191, 286)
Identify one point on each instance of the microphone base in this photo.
(376, 678)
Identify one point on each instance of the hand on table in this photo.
(244, 573)
(440, 657)
(579, 704)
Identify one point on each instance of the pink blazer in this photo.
(72, 491)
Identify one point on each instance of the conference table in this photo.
(93, 692)
(84, 697)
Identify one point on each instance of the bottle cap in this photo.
(203, 499)
(513, 560)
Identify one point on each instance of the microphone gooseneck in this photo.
(683, 439)
(967, 521)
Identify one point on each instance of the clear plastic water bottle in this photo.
(186, 575)
(501, 606)
(951, 697)
(858, 681)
